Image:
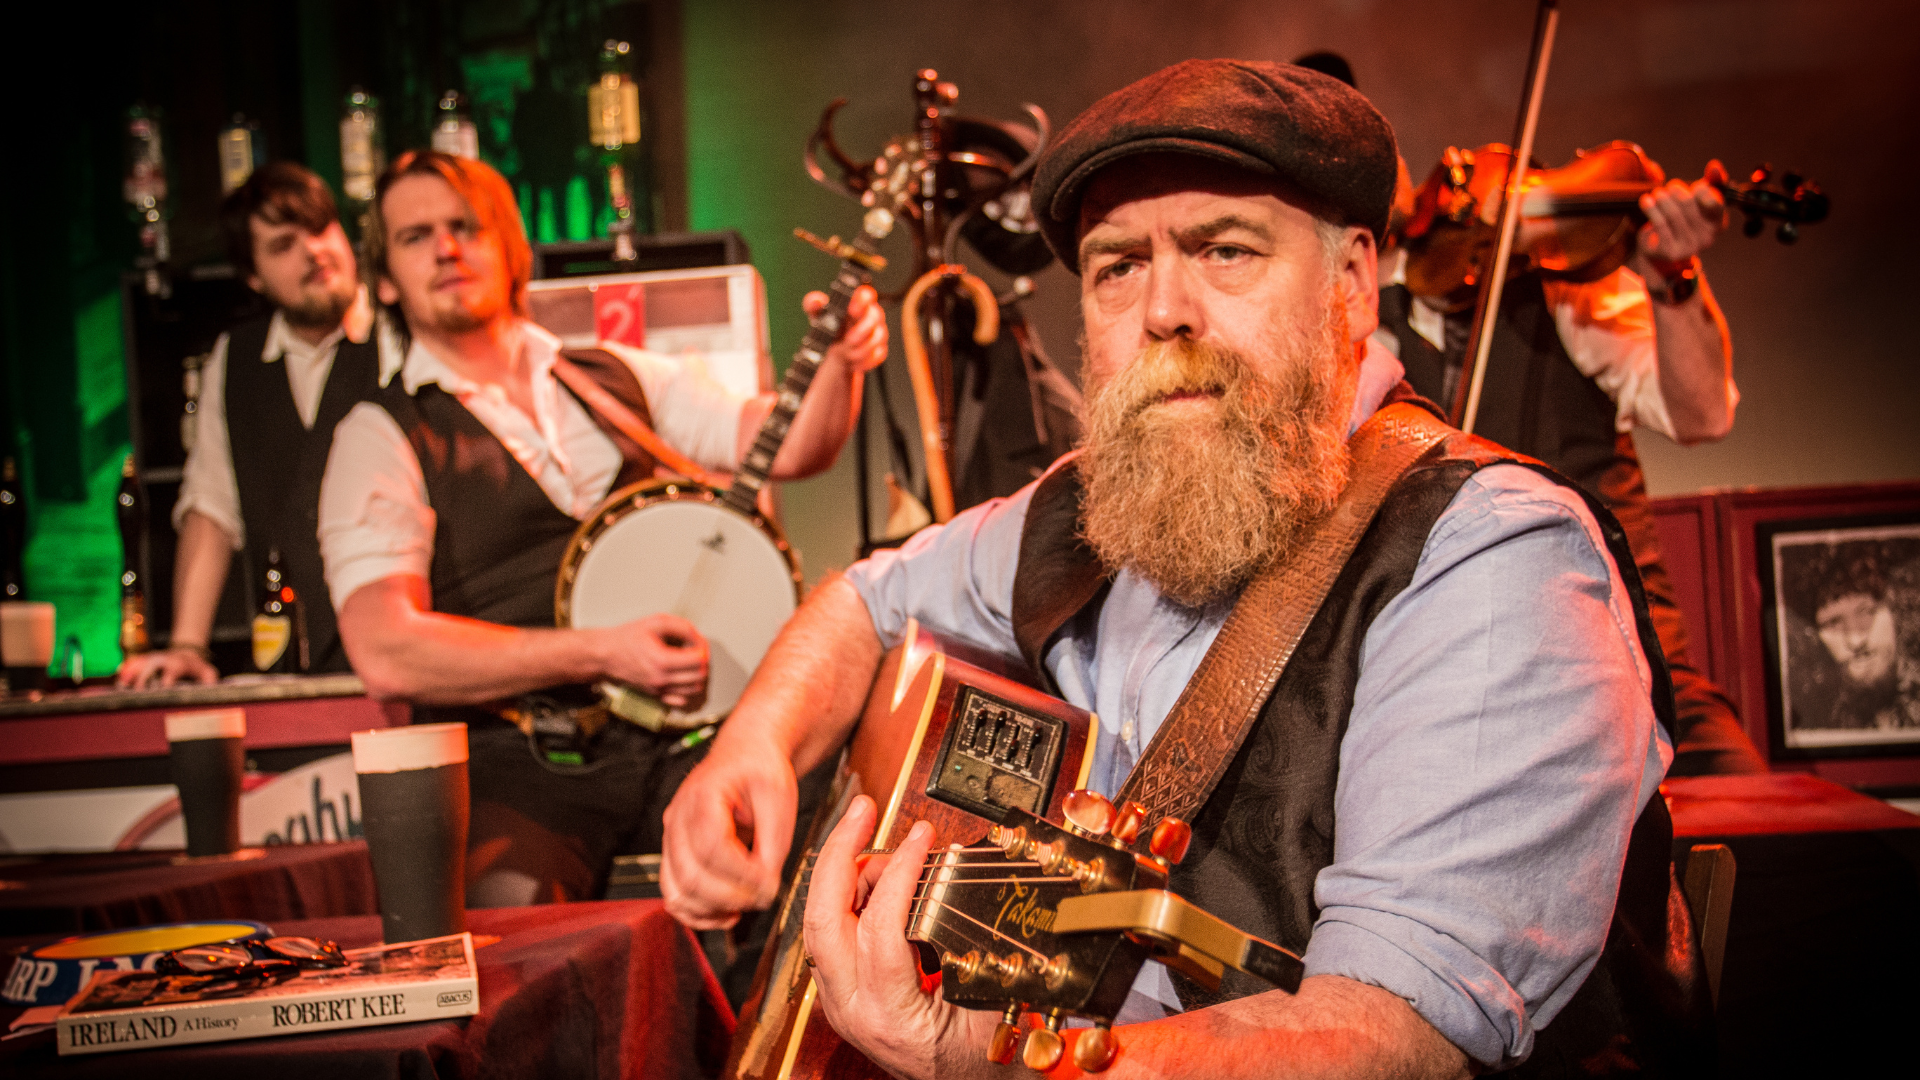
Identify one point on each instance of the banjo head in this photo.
(670, 546)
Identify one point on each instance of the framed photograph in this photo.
(1841, 604)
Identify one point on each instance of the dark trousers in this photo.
(538, 835)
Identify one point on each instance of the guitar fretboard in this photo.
(827, 326)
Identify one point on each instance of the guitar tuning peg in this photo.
(1753, 226)
(1006, 1036)
(1791, 180)
(1762, 174)
(1129, 821)
(1093, 1051)
(1169, 841)
(1044, 1047)
(1789, 232)
(1089, 812)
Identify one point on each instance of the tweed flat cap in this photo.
(1312, 131)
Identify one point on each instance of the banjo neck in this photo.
(826, 328)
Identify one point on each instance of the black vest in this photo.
(278, 464)
(1267, 829)
(498, 539)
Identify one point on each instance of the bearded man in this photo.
(271, 393)
(1447, 802)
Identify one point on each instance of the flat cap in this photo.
(1312, 131)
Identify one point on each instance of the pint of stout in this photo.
(208, 752)
(26, 643)
(413, 809)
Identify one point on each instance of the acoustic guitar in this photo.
(1040, 900)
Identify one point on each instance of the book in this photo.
(386, 984)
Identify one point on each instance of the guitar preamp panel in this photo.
(997, 756)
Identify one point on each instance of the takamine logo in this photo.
(1020, 909)
(454, 997)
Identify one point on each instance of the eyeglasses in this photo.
(253, 963)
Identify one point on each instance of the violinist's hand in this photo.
(1682, 221)
(870, 986)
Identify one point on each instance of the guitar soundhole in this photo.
(996, 757)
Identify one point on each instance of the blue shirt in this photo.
(1501, 744)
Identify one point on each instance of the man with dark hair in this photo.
(1845, 600)
(1447, 802)
(270, 396)
(449, 501)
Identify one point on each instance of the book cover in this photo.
(385, 984)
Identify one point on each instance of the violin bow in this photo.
(1486, 306)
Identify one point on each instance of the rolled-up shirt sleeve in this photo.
(207, 484)
(691, 410)
(374, 517)
(956, 578)
(1481, 890)
(1607, 328)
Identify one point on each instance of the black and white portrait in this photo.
(1847, 605)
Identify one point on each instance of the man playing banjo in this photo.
(1447, 800)
(449, 500)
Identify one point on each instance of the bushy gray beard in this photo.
(1197, 500)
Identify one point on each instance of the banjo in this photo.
(709, 556)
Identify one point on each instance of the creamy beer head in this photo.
(401, 749)
(207, 724)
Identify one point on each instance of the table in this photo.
(70, 894)
(603, 989)
(1824, 935)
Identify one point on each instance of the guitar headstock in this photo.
(1788, 198)
(986, 914)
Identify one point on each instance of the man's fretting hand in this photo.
(864, 346)
(1682, 221)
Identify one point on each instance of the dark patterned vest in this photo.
(278, 464)
(1267, 829)
(498, 539)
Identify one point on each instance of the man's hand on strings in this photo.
(663, 655)
(726, 832)
(869, 980)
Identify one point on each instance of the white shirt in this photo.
(207, 484)
(375, 520)
(1606, 327)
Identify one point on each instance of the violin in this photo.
(1578, 222)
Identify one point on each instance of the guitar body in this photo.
(942, 740)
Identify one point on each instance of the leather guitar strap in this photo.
(624, 420)
(1203, 732)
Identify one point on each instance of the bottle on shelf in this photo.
(13, 533)
(130, 505)
(360, 150)
(280, 626)
(453, 131)
(613, 125)
(145, 190)
(242, 149)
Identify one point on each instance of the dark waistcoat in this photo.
(278, 464)
(1267, 830)
(498, 539)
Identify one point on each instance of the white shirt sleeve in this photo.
(691, 410)
(207, 484)
(1607, 328)
(374, 517)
